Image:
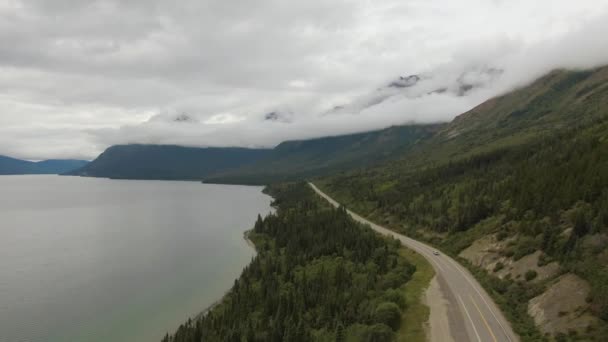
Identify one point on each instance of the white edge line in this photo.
(470, 319)
(482, 298)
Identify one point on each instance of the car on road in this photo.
(435, 252)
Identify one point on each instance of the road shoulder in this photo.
(415, 321)
(438, 324)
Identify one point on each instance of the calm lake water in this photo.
(85, 259)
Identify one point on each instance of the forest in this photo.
(550, 194)
(318, 275)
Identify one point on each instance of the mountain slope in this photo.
(167, 161)
(289, 160)
(418, 86)
(12, 166)
(59, 166)
(517, 188)
(305, 158)
(556, 101)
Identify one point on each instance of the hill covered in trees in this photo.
(318, 275)
(12, 166)
(517, 188)
(167, 161)
(288, 161)
(300, 159)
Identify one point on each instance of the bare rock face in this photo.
(517, 269)
(563, 306)
(485, 253)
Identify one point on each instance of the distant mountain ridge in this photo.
(512, 119)
(421, 85)
(289, 160)
(13, 166)
(138, 161)
(297, 159)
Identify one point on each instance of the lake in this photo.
(88, 259)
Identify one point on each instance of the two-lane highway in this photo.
(471, 313)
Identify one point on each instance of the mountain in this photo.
(12, 166)
(167, 161)
(405, 81)
(557, 101)
(516, 188)
(287, 161)
(292, 160)
(460, 83)
(283, 116)
(179, 118)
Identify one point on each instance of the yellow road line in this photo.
(484, 319)
(482, 298)
(470, 319)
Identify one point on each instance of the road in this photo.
(469, 311)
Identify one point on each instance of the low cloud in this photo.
(76, 77)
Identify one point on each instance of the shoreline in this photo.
(249, 241)
(211, 306)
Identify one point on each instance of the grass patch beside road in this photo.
(416, 315)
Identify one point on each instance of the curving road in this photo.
(470, 313)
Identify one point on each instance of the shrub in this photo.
(378, 333)
(502, 235)
(499, 266)
(543, 260)
(531, 274)
(524, 246)
(388, 313)
(395, 296)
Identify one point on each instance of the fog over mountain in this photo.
(78, 76)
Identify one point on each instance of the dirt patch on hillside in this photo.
(563, 306)
(517, 269)
(486, 253)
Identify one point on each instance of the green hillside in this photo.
(167, 161)
(518, 189)
(306, 158)
(288, 161)
(556, 101)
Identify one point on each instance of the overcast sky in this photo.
(77, 76)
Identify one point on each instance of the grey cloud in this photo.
(77, 76)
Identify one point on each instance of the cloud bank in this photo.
(78, 76)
